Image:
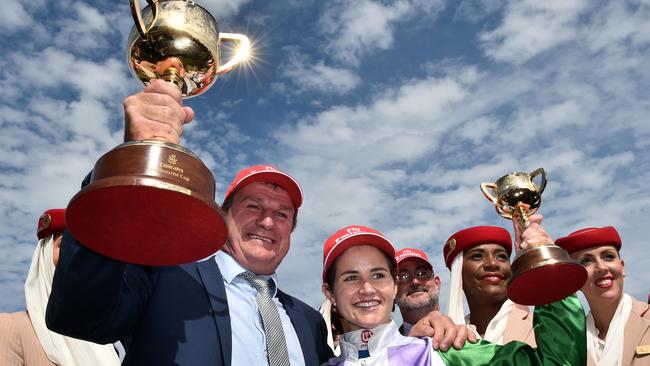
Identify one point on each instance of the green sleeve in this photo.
(560, 333)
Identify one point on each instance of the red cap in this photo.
(473, 236)
(51, 221)
(589, 238)
(350, 236)
(407, 253)
(267, 173)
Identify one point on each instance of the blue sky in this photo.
(389, 113)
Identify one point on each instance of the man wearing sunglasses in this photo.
(418, 287)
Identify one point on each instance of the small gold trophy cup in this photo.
(152, 202)
(543, 272)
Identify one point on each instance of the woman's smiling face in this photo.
(605, 272)
(486, 272)
(364, 288)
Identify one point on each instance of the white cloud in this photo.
(618, 22)
(357, 28)
(309, 76)
(13, 16)
(475, 10)
(222, 9)
(400, 125)
(478, 129)
(531, 27)
(87, 31)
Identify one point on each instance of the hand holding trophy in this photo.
(542, 273)
(152, 201)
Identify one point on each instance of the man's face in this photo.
(417, 293)
(259, 227)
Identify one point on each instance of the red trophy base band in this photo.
(134, 212)
(546, 281)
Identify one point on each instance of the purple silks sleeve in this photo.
(416, 354)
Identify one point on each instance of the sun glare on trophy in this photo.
(244, 50)
(249, 53)
(245, 53)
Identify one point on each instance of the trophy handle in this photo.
(485, 188)
(542, 184)
(240, 55)
(137, 15)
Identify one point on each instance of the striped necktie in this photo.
(276, 345)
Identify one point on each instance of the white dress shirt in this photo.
(495, 331)
(248, 341)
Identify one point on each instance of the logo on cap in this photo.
(350, 231)
(44, 222)
(452, 244)
(366, 334)
(408, 253)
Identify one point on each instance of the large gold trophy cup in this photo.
(542, 273)
(152, 202)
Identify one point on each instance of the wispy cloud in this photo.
(14, 16)
(223, 8)
(305, 75)
(476, 10)
(355, 29)
(531, 27)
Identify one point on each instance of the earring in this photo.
(333, 301)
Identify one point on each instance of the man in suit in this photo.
(200, 313)
(418, 287)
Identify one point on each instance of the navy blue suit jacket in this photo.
(172, 315)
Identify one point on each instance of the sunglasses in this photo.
(421, 274)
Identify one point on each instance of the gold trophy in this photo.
(543, 272)
(152, 202)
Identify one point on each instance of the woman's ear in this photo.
(328, 293)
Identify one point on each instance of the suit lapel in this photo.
(634, 330)
(213, 283)
(299, 324)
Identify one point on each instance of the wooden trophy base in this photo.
(543, 274)
(150, 203)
